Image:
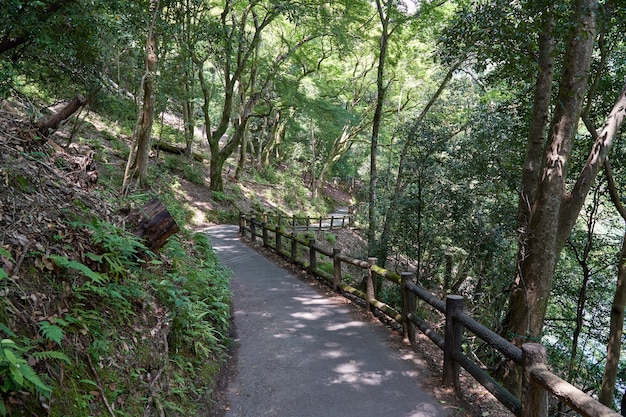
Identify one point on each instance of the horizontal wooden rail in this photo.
(307, 223)
(538, 381)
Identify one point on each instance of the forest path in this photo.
(303, 352)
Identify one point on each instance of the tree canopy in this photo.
(476, 133)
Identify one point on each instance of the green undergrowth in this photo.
(119, 331)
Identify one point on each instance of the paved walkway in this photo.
(302, 354)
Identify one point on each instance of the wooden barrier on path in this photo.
(537, 382)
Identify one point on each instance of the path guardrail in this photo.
(538, 382)
(294, 222)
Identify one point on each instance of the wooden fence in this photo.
(538, 381)
(308, 223)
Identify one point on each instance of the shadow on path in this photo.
(301, 353)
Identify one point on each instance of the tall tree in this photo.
(554, 209)
(143, 129)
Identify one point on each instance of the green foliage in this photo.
(222, 197)
(51, 332)
(330, 238)
(199, 298)
(326, 267)
(63, 262)
(188, 169)
(121, 249)
(16, 374)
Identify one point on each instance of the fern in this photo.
(63, 262)
(7, 330)
(16, 372)
(31, 376)
(51, 332)
(51, 354)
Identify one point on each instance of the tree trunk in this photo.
(549, 223)
(400, 182)
(188, 121)
(216, 182)
(147, 114)
(616, 326)
(616, 329)
(45, 127)
(381, 90)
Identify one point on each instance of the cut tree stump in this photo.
(156, 224)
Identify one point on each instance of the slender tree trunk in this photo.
(616, 329)
(144, 133)
(381, 90)
(400, 180)
(243, 155)
(188, 121)
(616, 326)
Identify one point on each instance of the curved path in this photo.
(303, 354)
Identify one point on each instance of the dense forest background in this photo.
(481, 139)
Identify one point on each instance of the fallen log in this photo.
(173, 149)
(51, 124)
(156, 224)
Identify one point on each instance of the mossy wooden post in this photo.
(534, 397)
(308, 222)
(253, 229)
(279, 227)
(265, 217)
(294, 247)
(332, 220)
(242, 224)
(265, 237)
(336, 269)
(369, 291)
(293, 222)
(312, 256)
(408, 307)
(279, 236)
(452, 341)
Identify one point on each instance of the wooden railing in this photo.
(537, 382)
(307, 223)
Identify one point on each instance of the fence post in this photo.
(294, 247)
(293, 222)
(242, 224)
(369, 288)
(321, 220)
(265, 237)
(312, 256)
(408, 307)
(278, 234)
(534, 398)
(351, 216)
(253, 229)
(452, 341)
(332, 219)
(336, 269)
(308, 222)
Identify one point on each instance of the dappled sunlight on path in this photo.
(302, 353)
